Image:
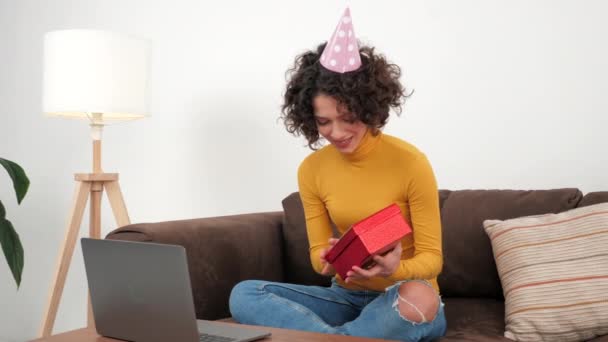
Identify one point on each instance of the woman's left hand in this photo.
(384, 266)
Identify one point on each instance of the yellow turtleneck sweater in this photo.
(346, 188)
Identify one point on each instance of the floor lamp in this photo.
(101, 77)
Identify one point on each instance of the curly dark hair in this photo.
(368, 92)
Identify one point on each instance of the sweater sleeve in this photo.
(423, 201)
(318, 225)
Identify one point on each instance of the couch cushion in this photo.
(221, 251)
(474, 319)
(297, 266)
(469, 269)
(443, 195)
(554, 272)
(594, 198)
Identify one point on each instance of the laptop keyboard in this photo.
(214, 338)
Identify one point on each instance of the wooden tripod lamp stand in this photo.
(101, 77)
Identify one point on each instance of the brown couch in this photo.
(225, 250)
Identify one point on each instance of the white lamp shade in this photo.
(91, 71)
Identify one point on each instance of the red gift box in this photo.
(375, 234)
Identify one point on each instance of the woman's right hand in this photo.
(328, 269)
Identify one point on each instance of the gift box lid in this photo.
(364, 231)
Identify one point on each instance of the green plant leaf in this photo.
(11, 246)
(20, 181)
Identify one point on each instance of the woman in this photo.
(343, 93)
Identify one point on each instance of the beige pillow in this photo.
(554, 274)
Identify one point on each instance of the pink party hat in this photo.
(341, 54)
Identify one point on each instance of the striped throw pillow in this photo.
(554, 274)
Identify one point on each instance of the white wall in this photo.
(507, 95)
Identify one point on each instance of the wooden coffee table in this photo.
(89, 335)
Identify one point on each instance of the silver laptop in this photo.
(141, 292)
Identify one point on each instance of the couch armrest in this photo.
(221, 252)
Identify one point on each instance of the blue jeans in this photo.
(332, 310)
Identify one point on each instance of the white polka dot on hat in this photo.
(341, 54)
